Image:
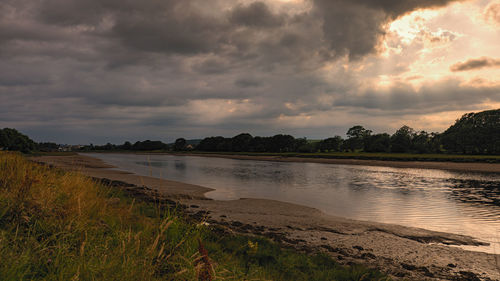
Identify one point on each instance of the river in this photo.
(454, 202)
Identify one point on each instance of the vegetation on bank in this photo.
(11, 139)
(57, 225)
(472, 134)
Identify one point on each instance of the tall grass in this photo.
(57, 225)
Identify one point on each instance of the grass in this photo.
(57, 225)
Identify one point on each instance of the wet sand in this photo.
(402, 252)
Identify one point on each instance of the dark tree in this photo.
(210, 143)
(435, 145)
(225, 145)
(259, 144)
(402, 139)
(11, 139)
(149, 145)
(377, 143)
(421, 142)
(474, 133)
(126, 146)
(282, 143)
(331, 144)
(304, 146)
(180, 144)
(241, 142)
(109, 146)
(356, 137)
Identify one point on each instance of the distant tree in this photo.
(435, 145)
(149, 145)
(180, 144)
(282, 143)
(241, 142)
(355, 138)
(259, 144)
(304, 146)
(109, 146)
(401, 140)
(126, 146)
(331, 144)
(11, 139)
(474, 133)
(210, 144)
(377, 143)
(421, 142)
(225, 145)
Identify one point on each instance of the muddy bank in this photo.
(400, 251)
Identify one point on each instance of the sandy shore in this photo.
(451, 166)
(411, 253)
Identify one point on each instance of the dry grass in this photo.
(57, 225)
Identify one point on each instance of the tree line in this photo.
(473, 133)
(405, 140)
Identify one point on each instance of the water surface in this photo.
(455, 202)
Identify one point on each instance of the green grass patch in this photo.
(57, 225)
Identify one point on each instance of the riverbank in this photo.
(421, 164)
(400, 251)
(62, 225)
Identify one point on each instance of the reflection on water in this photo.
(457, 202)
(476, 192)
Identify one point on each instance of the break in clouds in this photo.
(92, 70)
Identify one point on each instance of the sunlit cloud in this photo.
(214, 111)
(492, 13)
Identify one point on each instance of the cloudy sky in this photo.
(81, 71)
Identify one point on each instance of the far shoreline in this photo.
(480, 167)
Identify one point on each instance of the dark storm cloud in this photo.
(355, 27)
(169, 33)
(192, 27)
(397, 8)
(129, 69)
(248, 82)
(153, 26)
(255, 14)
(474, 64)
(171, 26)
(12, 74)
(211, 66)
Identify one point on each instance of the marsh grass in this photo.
(57, 225)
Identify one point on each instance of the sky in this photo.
(97, 71)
